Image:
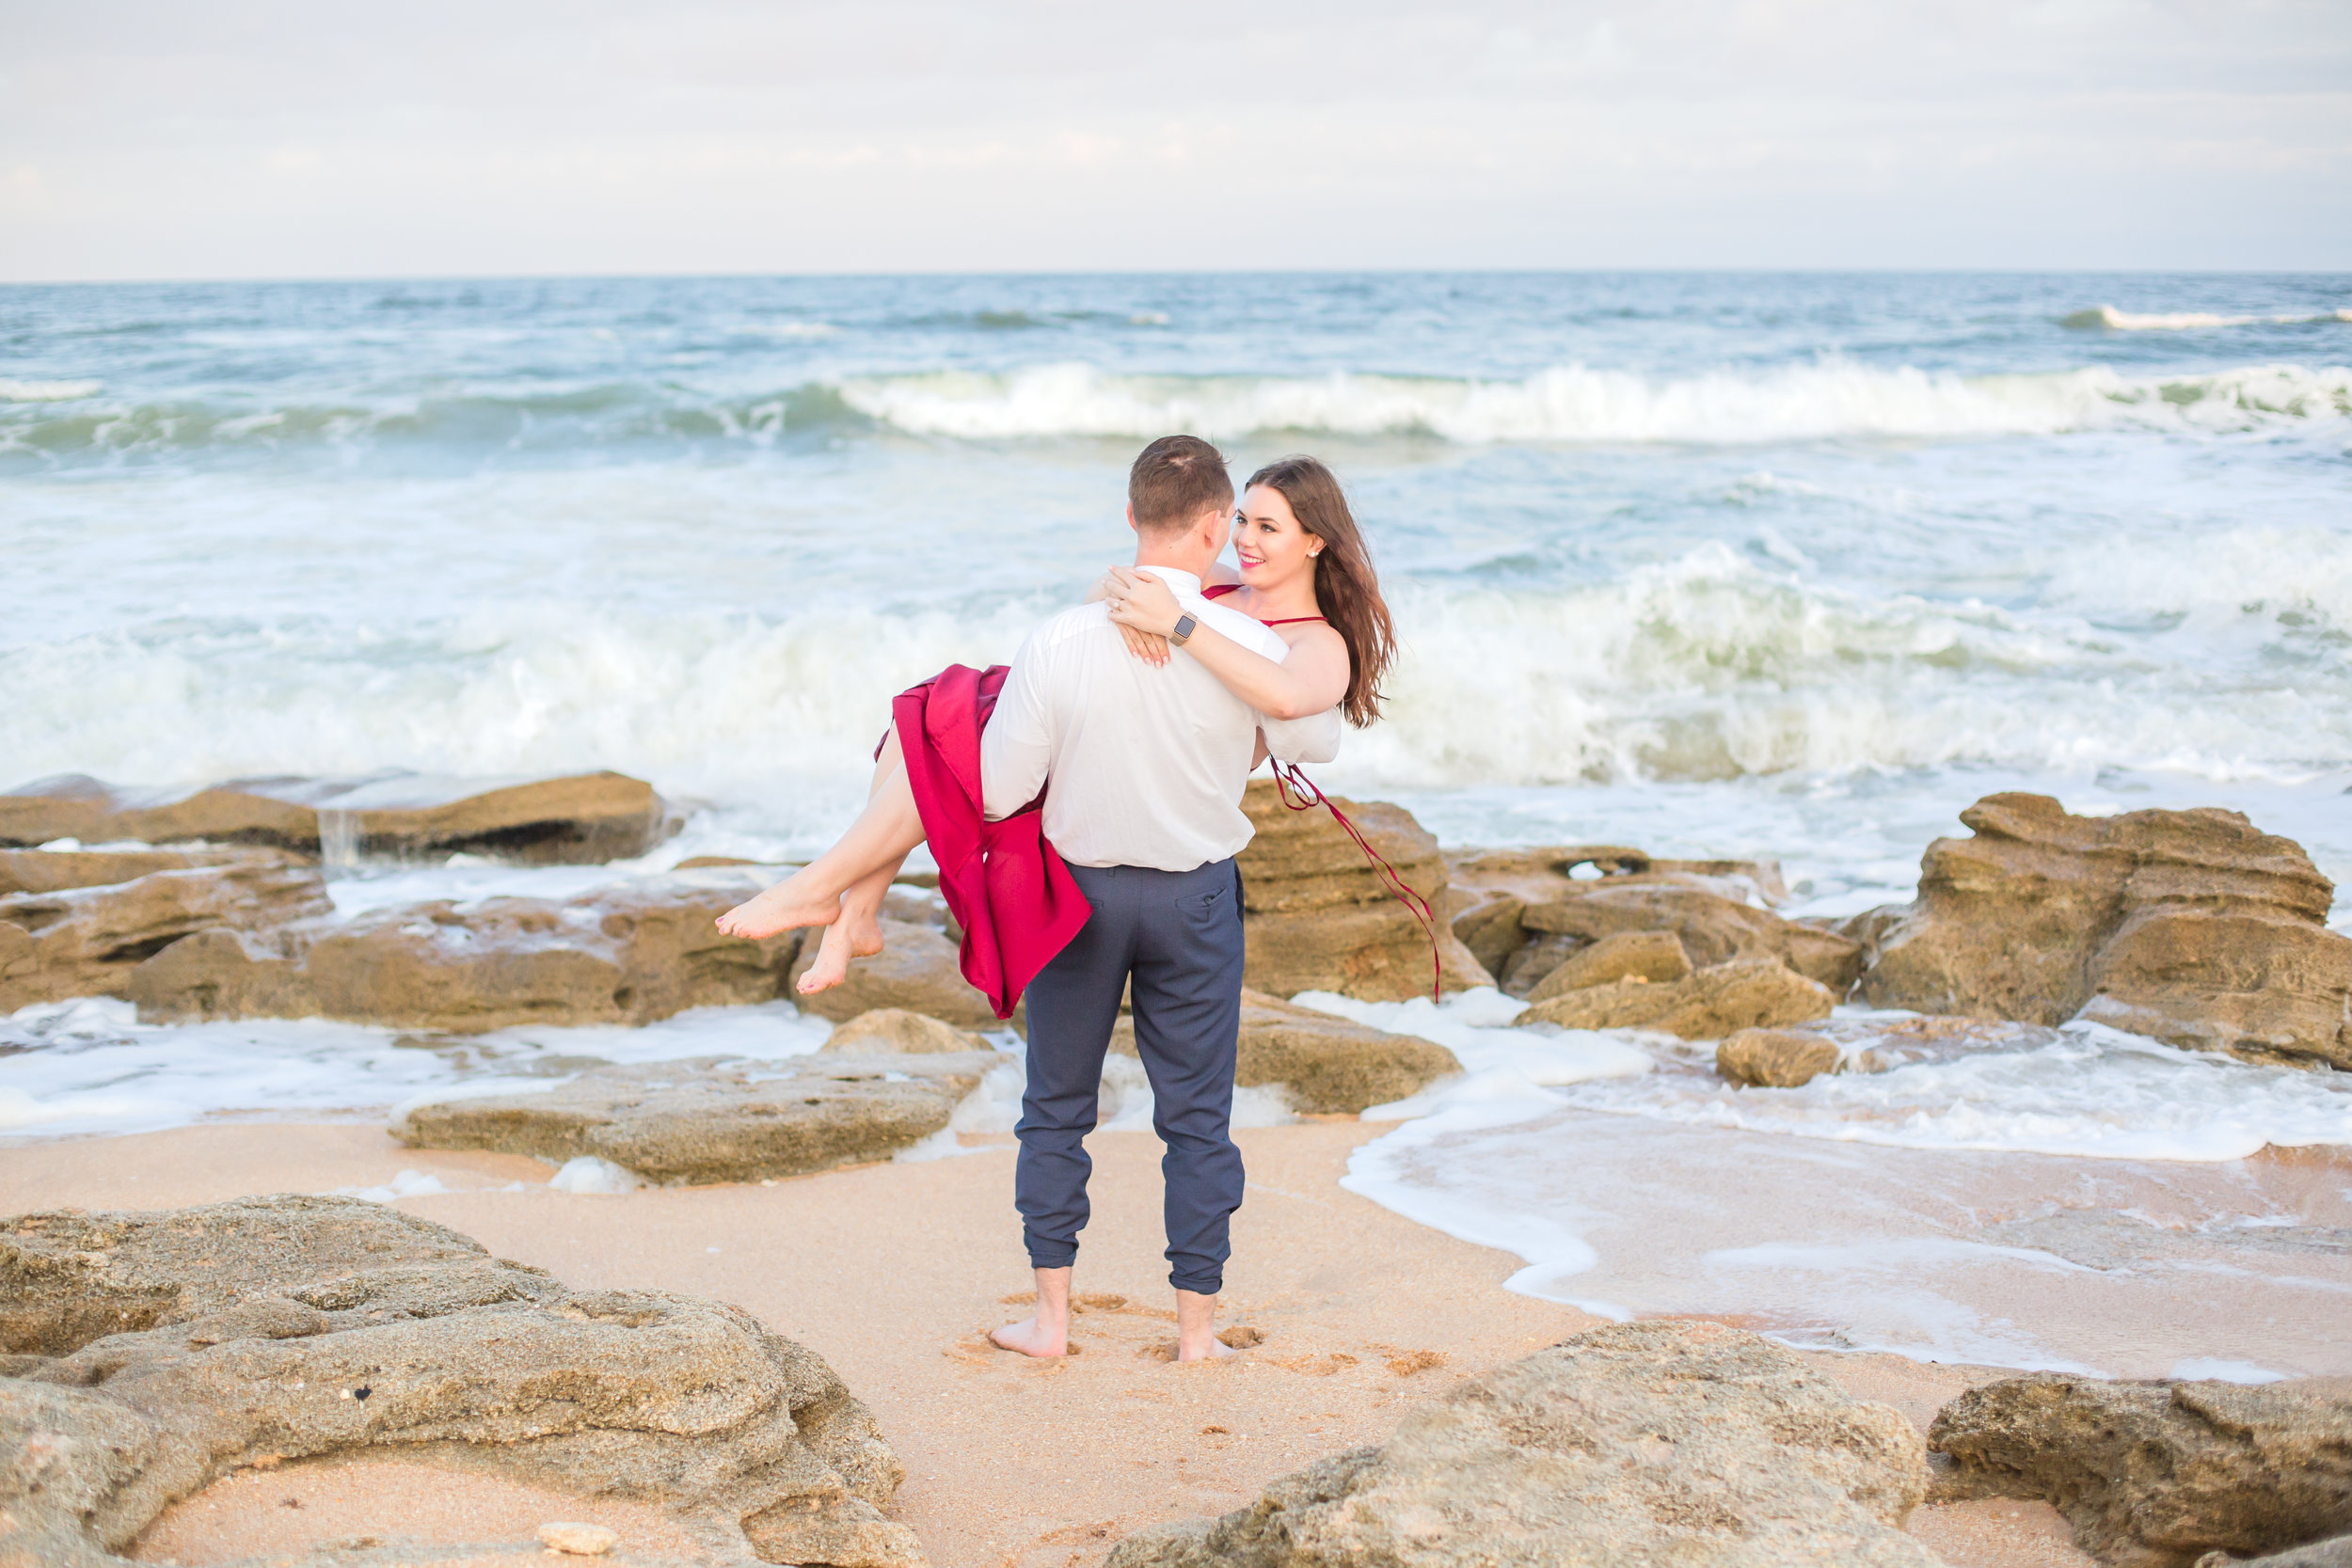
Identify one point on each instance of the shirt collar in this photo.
(1183, 582)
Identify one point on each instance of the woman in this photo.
(1303, 570)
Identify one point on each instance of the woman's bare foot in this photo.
(793, 902)
(856, 935)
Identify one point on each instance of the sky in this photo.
(253, 138)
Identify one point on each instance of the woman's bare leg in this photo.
(881, 837)
(858, 933)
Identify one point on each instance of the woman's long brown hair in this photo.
(1347, 591)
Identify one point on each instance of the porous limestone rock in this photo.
(887, 1030)
(1488, 888)
(1713, 929)
(1777, 1059)
(2192, 927)
(1317, 916)
(712, 1119)
(1745, 994)
(1655, 957)
(1656, 1442)
(632, 953)
(580, 819)
(90, 940)
(2334, 1553)
(55, 870)
(919, 970)
(1326, 1065)
(2154, 1475)
(154, 1353)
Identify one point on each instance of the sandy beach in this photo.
(894, 1273)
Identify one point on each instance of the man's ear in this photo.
(1131, 519)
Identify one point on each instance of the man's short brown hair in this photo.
(1176, 479)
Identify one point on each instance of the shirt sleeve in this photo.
(1017, 745)
(1314, 738)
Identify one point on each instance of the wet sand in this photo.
(894, 1273)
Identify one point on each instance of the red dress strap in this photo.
(1286, 778)
(1218, 590)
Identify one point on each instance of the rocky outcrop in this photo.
(581, 819)
(627, 954)
(1488, 889)
(715, 1118)
(2336, 1553)
(2154, 1475)
(1317, 916)
(1654, 1442)
(918, 969)
(1655, 957)
(92, 941)
(1713, 929)
(152, 1354)
(57, 870)
(1777, 1059)
(2192, 927)
(1746, 993)
(888, 1031)
(1325, 1064)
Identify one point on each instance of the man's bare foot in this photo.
(793, 902)
(856, 935)
(1196, 1329)
(1032, 1337)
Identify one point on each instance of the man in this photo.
(1143, 768)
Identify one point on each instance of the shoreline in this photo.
(893, 1272)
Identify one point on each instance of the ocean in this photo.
(1795, 565)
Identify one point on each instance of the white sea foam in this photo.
(1823, 399)
(2113, 319)
(588, 1174)
(49, 391)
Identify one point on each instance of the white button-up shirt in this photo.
(1141, 765)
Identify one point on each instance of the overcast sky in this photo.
(250, 138)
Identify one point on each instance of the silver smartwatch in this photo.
(1185, 626)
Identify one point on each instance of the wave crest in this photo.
(2108, 319)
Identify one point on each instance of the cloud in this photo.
(279, 139)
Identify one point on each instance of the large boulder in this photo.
(2154, 1475)
(1325, 1064)
(1746, 993)
(92, 941)
(919, 970)
(627, 954)
(151, 1353)
(1658, 1442)
(1777, 1059)
(584, 819)
(1713, 929)
(1317, 916)
(714, 1119)
(1655, 957)
(2192, 927)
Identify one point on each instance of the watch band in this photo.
(1185, 626)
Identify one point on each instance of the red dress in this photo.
(1017, 902)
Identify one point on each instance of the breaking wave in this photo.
(1824, 399)
(48, 391)
(2108, 319)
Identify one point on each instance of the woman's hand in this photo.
(1143, 602)
(1151, 649)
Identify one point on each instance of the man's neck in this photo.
(1176, 558)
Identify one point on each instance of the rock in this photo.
(2153, 1475)
(1316, 916)
(627, 954)
(1490, 886)
(1491, 929)
(90, 940)
(578, 1540)
(919, 970)
(887, 1030)
(1777, 1059)
(2334, 1553)
(284, 1328)
(1651, 956)
(715, 1118)
(1746, 993)
(1327, 1064)
(581, 819)
(1714, 929)
(57, 870)
(1654, 1442)
(2192, 927)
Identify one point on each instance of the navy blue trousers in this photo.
(1177, 936)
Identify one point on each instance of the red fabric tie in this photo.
(1286, 778)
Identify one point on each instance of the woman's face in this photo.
(1269, 544)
